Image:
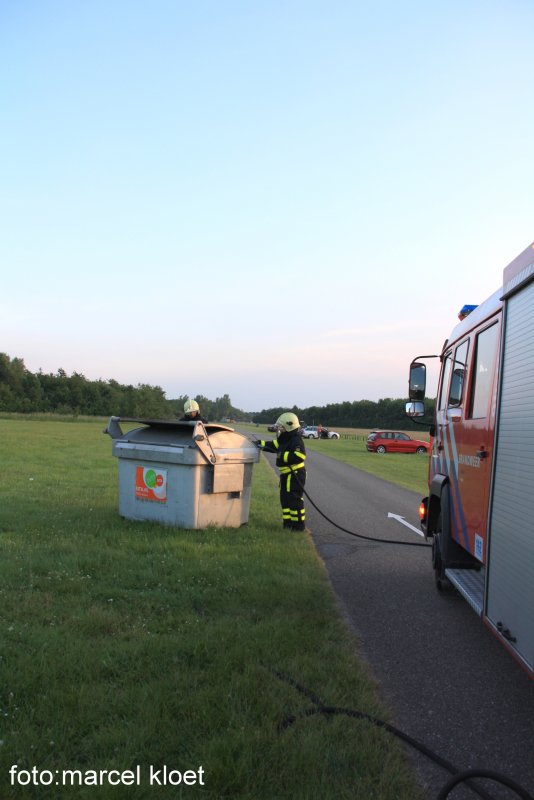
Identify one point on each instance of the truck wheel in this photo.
(380, 449)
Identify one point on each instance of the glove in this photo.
(258, 444)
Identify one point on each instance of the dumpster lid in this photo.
(200, 431)
(114, 429)
(181, 423)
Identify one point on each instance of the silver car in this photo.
(312, 432)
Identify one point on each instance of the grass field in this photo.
(129, 646)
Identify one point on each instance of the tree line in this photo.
(385, 413)
(58, 393)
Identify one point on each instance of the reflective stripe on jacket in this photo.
(290, 451)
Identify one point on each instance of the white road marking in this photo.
(403, 522)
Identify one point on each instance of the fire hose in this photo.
(458, 776)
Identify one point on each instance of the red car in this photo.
(395, 442)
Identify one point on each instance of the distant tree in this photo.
(33, 393)
(222, 407)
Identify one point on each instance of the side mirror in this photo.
(415, 409)
(417, 385)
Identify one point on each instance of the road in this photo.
(448, 681)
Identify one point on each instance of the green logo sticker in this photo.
(150, 478)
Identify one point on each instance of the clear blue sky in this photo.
(282, 201)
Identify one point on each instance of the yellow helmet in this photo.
(190, 406)
(288, 421)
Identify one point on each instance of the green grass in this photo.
(131, 644)
(406, 470)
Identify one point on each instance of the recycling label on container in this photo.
(151, 484)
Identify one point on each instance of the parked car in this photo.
(312, 432)
(395, 442)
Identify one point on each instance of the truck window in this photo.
(486, 348)
(445, 373)
(459, 372)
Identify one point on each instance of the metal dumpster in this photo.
(185, 474)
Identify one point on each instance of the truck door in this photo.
(449, 430)
(475, 445)
(464, 438)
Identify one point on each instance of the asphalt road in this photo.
(448, 681)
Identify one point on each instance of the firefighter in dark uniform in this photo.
(290, 460)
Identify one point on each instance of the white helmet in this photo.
(288, 421)
(190, 406)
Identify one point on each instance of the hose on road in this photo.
(353, 533)
(459, 776)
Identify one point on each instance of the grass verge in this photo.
(131, 646)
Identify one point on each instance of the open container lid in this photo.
(217, 443)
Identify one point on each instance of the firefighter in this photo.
(290, 460)
(191, 412)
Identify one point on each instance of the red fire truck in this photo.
(480, 506)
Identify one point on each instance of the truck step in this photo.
(470, 583)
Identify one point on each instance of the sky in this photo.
(281, 201)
